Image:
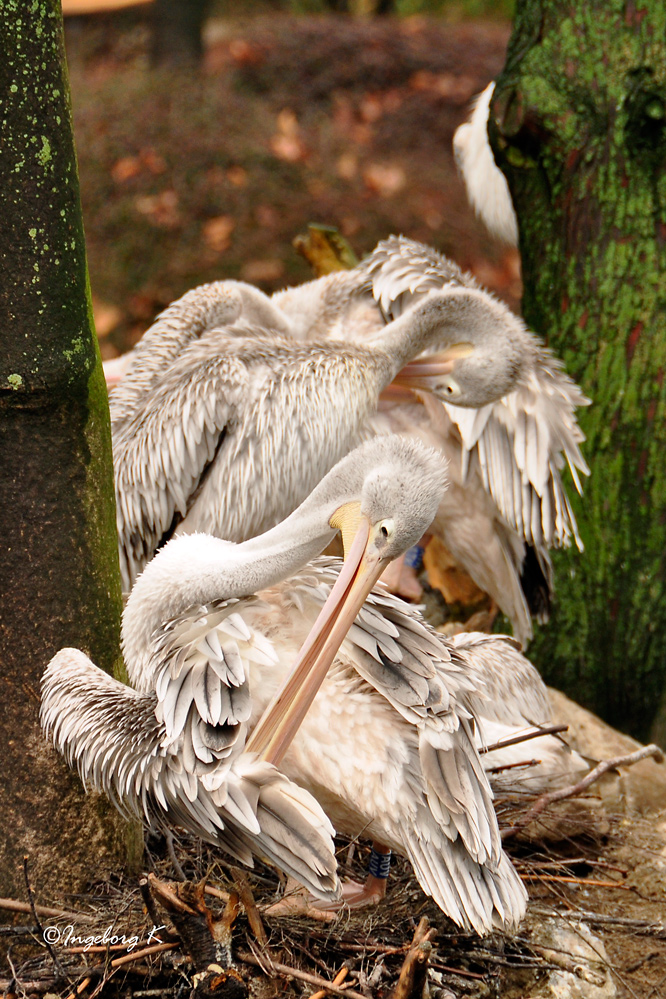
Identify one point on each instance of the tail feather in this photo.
(478, 897)
(114, 738)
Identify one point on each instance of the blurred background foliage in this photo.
(291, 117)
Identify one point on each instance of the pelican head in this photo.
(477, 349)
(402, 485)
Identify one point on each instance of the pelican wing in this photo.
(162, 453)
(393, 650)
(519, 446)
(119, 744)
(514, 693)
(184, 321)
(520, 443)
(201, 664)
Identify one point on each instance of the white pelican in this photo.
(487, 189)
(210, 306)
(388, 743)
(506, 505)
(228, 431)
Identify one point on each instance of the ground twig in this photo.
(414, 971)
(303, 976)
(550, 797)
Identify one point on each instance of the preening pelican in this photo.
(506, 505)
(487, 189)
(226, 432)
(387, 744)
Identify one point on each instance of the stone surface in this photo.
(640, 789)
(583, 967)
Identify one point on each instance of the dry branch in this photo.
(250, 906)
(303, 976)
(12, 905)
(414, 971)
(338, 980)
(550, 797)
(534, 733)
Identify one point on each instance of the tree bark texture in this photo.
(579, 128)
(59, 575)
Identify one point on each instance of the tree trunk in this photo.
(177, 32)
(580, 131)
(59, 574)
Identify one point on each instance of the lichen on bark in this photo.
(58, 548)
(579, 128)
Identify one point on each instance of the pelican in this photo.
(384, 739)
(220, 303)
(506, 504)
(227, 431)
(487, 189)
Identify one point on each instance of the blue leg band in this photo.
(380, 864)
(414, 557)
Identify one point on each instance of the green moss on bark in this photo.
(580, 131)
(58, 549)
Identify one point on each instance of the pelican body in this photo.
(487, 189)
(505, 418)
(385, 738)
(228, 431)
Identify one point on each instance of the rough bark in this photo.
(59, 574)
(579, 128)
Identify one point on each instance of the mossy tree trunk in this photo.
(579, 128)
(59, 570)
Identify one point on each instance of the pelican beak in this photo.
(424, 374)
(362, 568)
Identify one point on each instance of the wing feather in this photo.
(162, 453)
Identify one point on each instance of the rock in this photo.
(583, 967)
(640, 789)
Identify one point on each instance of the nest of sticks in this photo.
(194, 925)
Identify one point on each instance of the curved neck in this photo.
(194, 570)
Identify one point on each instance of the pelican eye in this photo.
(385, 529)
(450, 388)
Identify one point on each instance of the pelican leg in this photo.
(298, 901)
(401, 577)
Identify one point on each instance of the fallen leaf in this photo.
(349, 225)
(262, 270)
(245, 54)
(160, 209)
(287, 144)
(237, 176)
(107, 317)
(449, 85)
(217, 233)
(153, 162)
(347, 166)
(266, 216)
(125, 169)
(384, 179)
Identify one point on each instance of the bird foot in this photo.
(402, 580)
(297, 901)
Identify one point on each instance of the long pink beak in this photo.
(283, 717)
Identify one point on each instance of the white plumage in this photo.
(387, 746)
(487, 189)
